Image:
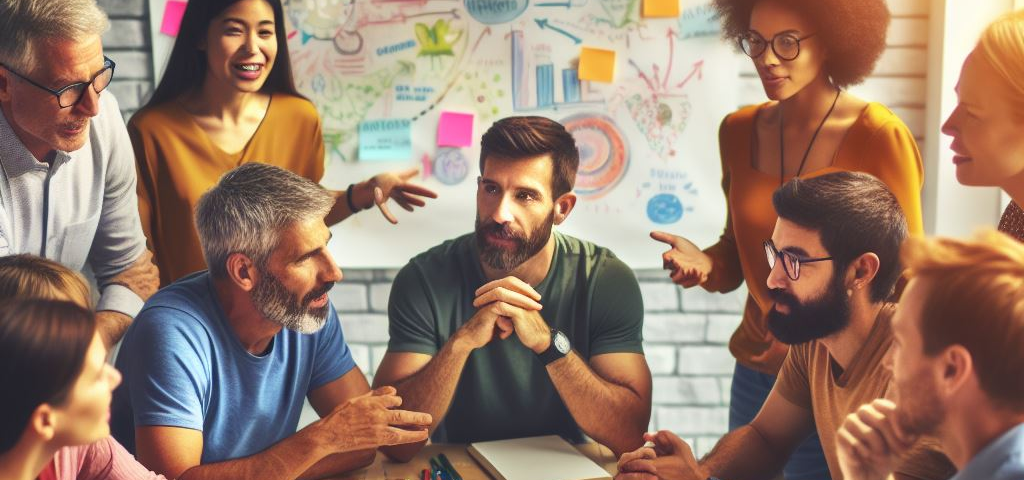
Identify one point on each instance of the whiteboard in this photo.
(648, 140)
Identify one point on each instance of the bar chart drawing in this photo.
(534, 85)
(545, 85)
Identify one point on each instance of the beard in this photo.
(526, 246)
(280, 306)
(818, 318)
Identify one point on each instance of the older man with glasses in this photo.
(834, 258)
(67, 172)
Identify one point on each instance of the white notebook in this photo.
(535, 458)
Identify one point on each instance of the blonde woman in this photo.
(987, 125)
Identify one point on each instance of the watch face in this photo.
(561, 343)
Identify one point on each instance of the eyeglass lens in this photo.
(790, 262)
(785, 46)
(72, 95)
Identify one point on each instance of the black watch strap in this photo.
(552, 353)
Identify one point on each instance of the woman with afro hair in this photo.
(806, 53)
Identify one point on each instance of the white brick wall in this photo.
(127, 44)
(349, 297)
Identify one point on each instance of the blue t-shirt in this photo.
(183, 366)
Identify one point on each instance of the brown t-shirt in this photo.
(810, 378)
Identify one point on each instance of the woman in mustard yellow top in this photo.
(805, 53)
(227, 97)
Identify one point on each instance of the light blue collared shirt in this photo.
(1002, 459)
(80, 210)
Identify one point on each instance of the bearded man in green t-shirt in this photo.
(517, 330)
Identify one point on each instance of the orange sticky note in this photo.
(660, 8)
(597, 64)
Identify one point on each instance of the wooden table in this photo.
(384, 469)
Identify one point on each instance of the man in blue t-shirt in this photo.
(216, 366)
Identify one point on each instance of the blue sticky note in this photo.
(699, 21)
(385, 139)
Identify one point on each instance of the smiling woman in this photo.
(228, 98)
(987, 125)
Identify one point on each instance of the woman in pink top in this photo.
(56, 382)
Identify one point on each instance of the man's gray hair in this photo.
(24, 23)
(249, 208)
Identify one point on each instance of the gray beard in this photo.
(278, 305)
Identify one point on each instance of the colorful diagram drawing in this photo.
(604, 153)
(358, 60)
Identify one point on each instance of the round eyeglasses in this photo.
(69, 96)
(790, 261)
(785, 45)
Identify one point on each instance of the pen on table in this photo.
(448, 466)
(438, 470)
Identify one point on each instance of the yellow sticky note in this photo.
(660, 8)
(597, 64)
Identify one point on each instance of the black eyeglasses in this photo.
(790, 261)
(70, 95)
(785, 45)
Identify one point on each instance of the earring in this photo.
(849, 292)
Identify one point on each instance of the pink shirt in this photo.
(103, 460)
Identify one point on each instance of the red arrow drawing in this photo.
(487, 31)
(698, 70)
(671, 55)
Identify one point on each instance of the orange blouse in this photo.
(177, 163)
(877, 143)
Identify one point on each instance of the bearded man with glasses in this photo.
(834, 258)
(67, 190)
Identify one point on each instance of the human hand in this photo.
(638, 465)
(689, 265)
(142, 277)
(517, 304)
(395, 185)
(370, 421)
(870, 440)
(670, 458)
(481, 329)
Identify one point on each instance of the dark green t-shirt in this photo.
(505, 391)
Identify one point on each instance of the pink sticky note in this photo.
(173, 11)
(455, 130)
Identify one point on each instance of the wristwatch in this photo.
(559, 348)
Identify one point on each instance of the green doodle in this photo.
(619, 13)
(434, 40)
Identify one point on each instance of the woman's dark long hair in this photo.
(186, 68)
(42, 351)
